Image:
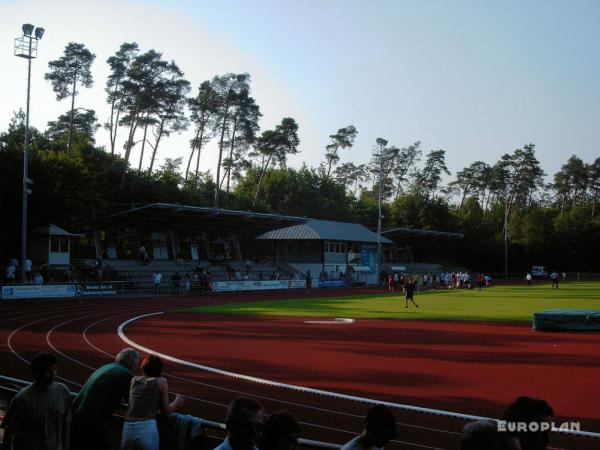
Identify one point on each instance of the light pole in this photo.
(506, 239)
(381, 143)
(26, 47)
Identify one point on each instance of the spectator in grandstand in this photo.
(39, 415)
(410, 292)
(148, 394)
(484, 435)
(99, 266)
(187, 282)
(38, 279)
(98, 399)
(27, 267)
(380, 428)
(308, 282)
(157, 279)
(528, 410)
(244, 425)
(10, 273)
(280, 432)
(528, 278)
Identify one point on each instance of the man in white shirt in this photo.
(380, 428)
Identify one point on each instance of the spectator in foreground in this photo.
(147, 395)
(528, 410)
(380, 428)
(484, 435)
(244, 424)
(280, 432)
(99, 398)
(39, 416)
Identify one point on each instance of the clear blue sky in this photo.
(475, 78)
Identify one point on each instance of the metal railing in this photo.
(17, 384)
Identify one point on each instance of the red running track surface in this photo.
(474, 368)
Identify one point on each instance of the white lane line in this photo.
(337, 320)
(285, 385)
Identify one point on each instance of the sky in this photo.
(475, 78)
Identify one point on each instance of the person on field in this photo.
(99, 398)
(528, 278)
(148, 394)
(528, 410)
(410, 292)
(308, 282)
(39, 415)
(244, 423)
(280, 432)
(380, 428)
(480, 281)
(555, 279)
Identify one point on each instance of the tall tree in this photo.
(403, 163)
(227, 89)
(66, 72)
(428, 179)
(594, 180)
(119, 64)
(84, 123)
(344, 138)
(169, 110)
(242, 134)
(275, 146)
(524, 176)
(203, 109)
(141, 94)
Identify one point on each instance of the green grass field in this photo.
(498, 303)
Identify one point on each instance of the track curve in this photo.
(83, 335)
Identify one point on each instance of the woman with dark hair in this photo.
(280, 432)
(148, 394)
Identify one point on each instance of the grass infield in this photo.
(497, 303)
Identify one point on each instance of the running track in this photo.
(467, 368)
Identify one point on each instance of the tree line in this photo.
(149, 98)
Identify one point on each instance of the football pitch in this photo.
(497, 303)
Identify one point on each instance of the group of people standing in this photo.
(11, 272)
(42, 416)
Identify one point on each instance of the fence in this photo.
(11, 386)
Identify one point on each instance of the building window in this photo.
(59, 244)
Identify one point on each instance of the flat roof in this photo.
(404, 232)
(198, 218)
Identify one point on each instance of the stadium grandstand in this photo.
(235, 250)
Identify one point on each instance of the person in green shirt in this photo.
(99, 398)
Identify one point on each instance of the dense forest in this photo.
(555, 224)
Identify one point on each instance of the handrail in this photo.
(309, 443)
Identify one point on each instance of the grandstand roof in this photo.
(177, 216)
(402, 232)
(324, 230)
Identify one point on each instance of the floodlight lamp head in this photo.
(27, 29)
(39, 32)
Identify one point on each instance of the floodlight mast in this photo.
(381, 145)
(26, 47)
